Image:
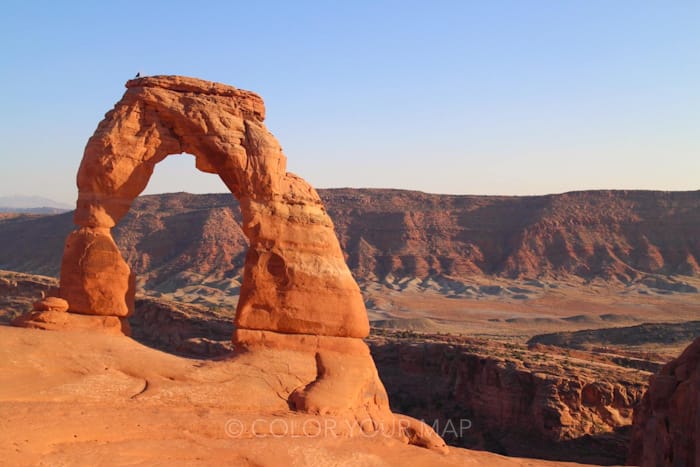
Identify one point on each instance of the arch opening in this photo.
(177, 173)
(183, 241)
(182, 237)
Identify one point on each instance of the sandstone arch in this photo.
(295, 279)
(299, 302)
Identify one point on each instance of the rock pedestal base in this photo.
(344, 384)
(63, 321)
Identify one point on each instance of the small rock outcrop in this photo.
(666, 429)
(297, 292)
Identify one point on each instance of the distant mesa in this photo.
(297, 293)
(644, 241)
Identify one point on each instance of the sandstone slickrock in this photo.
(666, 429)
(89, 399)
(297, 291)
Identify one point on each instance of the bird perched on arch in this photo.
(138, 75)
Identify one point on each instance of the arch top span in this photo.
(295, 277)
(251, 105)
(222, 126)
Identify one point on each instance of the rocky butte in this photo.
(298, 304)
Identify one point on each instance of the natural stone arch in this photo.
(298, 301)
(295, 277)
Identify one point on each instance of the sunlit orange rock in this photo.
(297, 295)
(296, 280)
(51, 304)
(95, 279)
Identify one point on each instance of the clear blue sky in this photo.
(487, 97)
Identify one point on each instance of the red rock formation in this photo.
(295, 279)
(95, 279)
(51, 304)
(609, 235)
(517, 402)
(60, 320)
(297, 292)
(618, 235)
(666, 430)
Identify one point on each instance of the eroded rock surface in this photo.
(75, 398)
(642, 239)
(295, 278)
(297, 292)
(506, 399)
(666, 429)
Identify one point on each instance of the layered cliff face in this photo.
(666, 430)
(611, 234)
(181, 239)
(515, 401)
(177, 240)
(18, 291)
